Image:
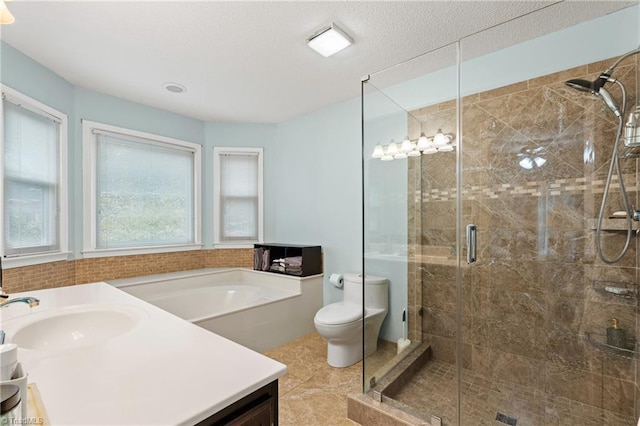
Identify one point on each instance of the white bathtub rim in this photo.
(169, 276)
(284, 295)
(146, 280)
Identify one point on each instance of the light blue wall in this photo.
(27, 76)
(318, 187)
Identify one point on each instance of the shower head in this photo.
(595, 87)
(581, 85)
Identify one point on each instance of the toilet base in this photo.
(344, 354)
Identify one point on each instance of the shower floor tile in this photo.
(432, 391)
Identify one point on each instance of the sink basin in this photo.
(75, 326)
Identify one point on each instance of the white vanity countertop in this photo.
(165, 371)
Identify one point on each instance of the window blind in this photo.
(239, 196)
(31, 180)
(144, 193)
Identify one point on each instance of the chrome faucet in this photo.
(31, 301)
(4, 297)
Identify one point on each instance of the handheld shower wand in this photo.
(596, 87)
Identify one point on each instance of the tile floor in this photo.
(312, 392)
(482, 399)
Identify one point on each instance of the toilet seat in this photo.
(339, 313)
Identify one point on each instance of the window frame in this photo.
(217, 153)
(16, 260)
(89, 172)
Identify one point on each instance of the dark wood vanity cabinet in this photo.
(257, 409)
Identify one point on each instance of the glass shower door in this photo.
(534, 309)
(409, 153)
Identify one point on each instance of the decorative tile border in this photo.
(534, 189)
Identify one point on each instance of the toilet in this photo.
(341, 323)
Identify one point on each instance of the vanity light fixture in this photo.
(174, 87)
(440, 142)
(5, 16)
(329, 40)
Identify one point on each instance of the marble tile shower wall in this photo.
(536, 292)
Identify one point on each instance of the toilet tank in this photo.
(376, 293)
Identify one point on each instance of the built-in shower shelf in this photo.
(622, 290)
(611, 224)
(600, 341)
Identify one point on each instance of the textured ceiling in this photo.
(248, 61)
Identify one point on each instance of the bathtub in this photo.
(259, 310)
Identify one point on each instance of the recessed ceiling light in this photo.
(174, 87)
(329, 40)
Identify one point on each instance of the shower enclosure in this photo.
(483, 176)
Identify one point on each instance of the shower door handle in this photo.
(471, 243)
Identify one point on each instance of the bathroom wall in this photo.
(318, 185)
(534, 303)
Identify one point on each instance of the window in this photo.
(142, 192)
(237, 196)
(34, 189)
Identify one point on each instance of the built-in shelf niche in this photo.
(311, 257)
(611, 224)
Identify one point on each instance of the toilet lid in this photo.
(339, 313)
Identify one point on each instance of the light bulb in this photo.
(378, 152)
(526, 163)
(440, 139)
(423, 142)
(392, 148)
(406, 146)
(539, 161)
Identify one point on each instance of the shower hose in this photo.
(615, 165)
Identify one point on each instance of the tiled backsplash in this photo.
(81, 271)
